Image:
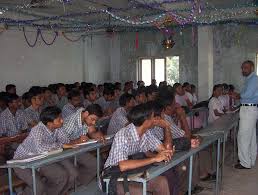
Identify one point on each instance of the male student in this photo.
(106, 99)
(3, 101)
(36, 98)
(78, 128)
(10, 88)
(13, 119)
(51, 179)
(136, 138)
(60, 97)
(74, 97)
(140, 96)
(119, 117)
(90, 96)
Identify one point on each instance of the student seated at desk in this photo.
(105, 101)
(119, 117)
(151, 92)
(25, 100)
(48, 97)
(224, 97)
(181, 98)
(36, 98)
(10, 88)
(3, 104)
(216, 109)
(61, 96)
(90, 96)
(136, 138)
(74, 103)
(78, 128)
(140, 96)
(13, 119)
(53, 178)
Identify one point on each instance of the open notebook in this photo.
(34, 157)
(92, 141)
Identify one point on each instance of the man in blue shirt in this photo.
(247, 146)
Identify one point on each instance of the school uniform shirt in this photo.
(224, 101)
(127, 142)
(60, 102)
(68, 110)
(32, 114)
(40, 140)
(181, 100)
(86, 103)
(214, 104)
(103, 103)
(117, 121)
(189, 96)
(12, 125)
(195, 100)
(72, 128)
(176, 132)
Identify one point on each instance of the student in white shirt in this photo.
(193, 92)
(216, 109)
(224, 98)
(181, 97)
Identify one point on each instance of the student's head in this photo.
(47, 93)
(90, 94)
(225, 88)
(127, 101)
(193, 89)
(168, 102)
(151, 92)
(157, 107)
(217, 91)
(178, 89)
(109, 94)
(74, 97)
(117, 92)
(13, 101)
(142, 115)
(231, 89)
(127, 86)
(51, 117)
(187, 87)
(247, 68)
(10, 88)
(118, 85)
(3, 103)
(77, 85)
(140, 96)
(36, 96)
(91, 114)
(26, 100)
(153, 82)
(61, 90)
(140, 84)
(100, 88)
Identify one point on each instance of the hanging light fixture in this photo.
(168, 43)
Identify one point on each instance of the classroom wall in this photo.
(233, 44)
(150, 45)
(63, 61)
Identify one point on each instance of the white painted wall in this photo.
(42, 65)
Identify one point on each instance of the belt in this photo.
(249, 104)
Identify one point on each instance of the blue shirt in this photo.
(249, 94)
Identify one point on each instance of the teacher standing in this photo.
(247, 146)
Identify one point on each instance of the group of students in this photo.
(147, 120)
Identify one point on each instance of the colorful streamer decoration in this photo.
(26, 39)
(69, 39)
(52, 42)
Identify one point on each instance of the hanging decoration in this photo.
(69, 39)
(52, 42)
(26, 39)
(168, 43)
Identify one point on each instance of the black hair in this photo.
(140, 91)
(225, 86)
(151, 89)
(139, 114)
(9, 87)
(49, 114)
(108, 91)
(193, 87)
(34, 91)
(125, 98)
(59, 85)
(156, 106)
(176, 85)
(26, 96)
(86, 91)
(11, 97)
(186, 84)
(95, 109)
(249, 62)
(73, 93)
(231, 87)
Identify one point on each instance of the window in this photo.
(161, 69)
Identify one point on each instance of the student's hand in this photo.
(83, 138)
(164, 155)
(195, 142)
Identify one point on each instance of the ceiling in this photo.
(121, 15)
